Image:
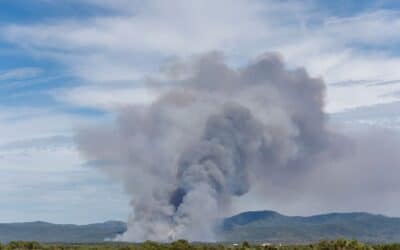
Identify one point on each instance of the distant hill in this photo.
(47, 232)
(257, 226)
(270, 226)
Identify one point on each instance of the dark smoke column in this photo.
(211, 134)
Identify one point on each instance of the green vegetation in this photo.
(339, 244)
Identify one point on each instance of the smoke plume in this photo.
(212, 133)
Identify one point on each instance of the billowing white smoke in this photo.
(213, 132)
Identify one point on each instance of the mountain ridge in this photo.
(271, 226)
(50, 232)
(255, 226)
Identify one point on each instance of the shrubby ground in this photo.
(339, 244)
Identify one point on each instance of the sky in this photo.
(66, 64)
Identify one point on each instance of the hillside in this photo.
(47, 232)
(257, 226)
(269, 226)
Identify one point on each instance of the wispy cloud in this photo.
(105, 97)
(136, 39)
(19, 74)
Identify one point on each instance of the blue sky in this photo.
(66, 64)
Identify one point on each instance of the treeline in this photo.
(184, 245)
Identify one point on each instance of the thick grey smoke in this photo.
(212, 133)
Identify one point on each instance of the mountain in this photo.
(48, 232)
(257, 226)
(270, 226)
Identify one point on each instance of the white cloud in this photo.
(23, 123)
(139, 36)
(38, 139)
(373, 28)
(42, 170)
(19, 73)
(362, 95)
(108, 47)
(67, 197)
(106, 97)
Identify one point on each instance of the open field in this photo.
(339, 244)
